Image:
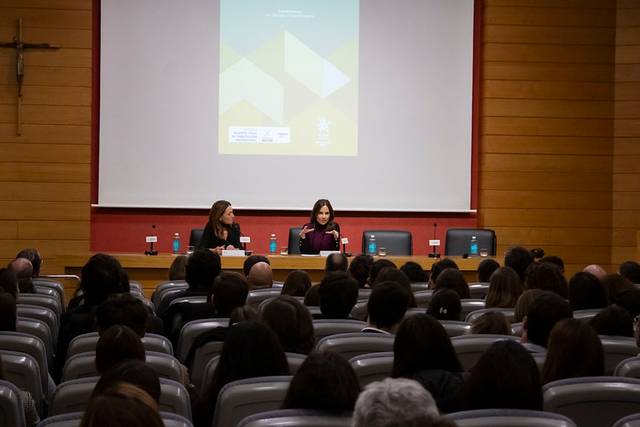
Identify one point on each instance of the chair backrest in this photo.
(458, 239)
(629, 368)
(31, 345)
(509, 418)
(587, 314)
(239, 399)
(11, 412)
(469, 305)
(359, 311)
(191, 330)
(326, 327)
(617, 349)
(508, 313)
(256, 296)
(469, 348)
(628, 421)
(396, 242)
(294, 417)
(174, 420)
(478, 290)
(192, 299)
(195, 236)
(201, 358)
(87, 342)
(364, 293)
(43, 314)
(50, 292)
(57, 286)
(39, 329)
(42, 300)
(516, 329)
(372, 367)
(423, 298)
(71, 419)
(22, 370)
(164, 288)
(294, 240)
(356, 343)
(456, 328)
(593, 401)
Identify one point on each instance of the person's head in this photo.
(519, 259)
(445, 305)
(387, 305)
(243, 314)
(260, 276)
(422, 343)
(630, 301)
(505, 376)
(132, 371)
(548, 277)
(8, 312)
(586, 291)
(291, 321)
(486, 269)
(394, 275)
(23, 269)
(615, 284)
(336, 262)
(555, 260)
(377, 267)
(324, 382)
(251, 261)
(9, 282)
(394, 402)
(117, 344)
(102, 276)
(631, 271)
(453, 279)
(360, 269)
(123, 405)
(545, 311)
(537, 254)
(505, 288)
(613, 320)
(312, 297)
(203, 266)
(122, 309)
(322, 214)
(596, 270)
(229, 290)
(177, 270)
(524, 301)
(338, 293)
(491, 322)
(296, 284)
(221, 216)
(439, 267)
(34, 256)
(574, 350)
(415, 272)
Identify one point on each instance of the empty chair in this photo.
(478, 290)
(326, 327)
(586, 315)
(58, 287)
(41, 300)
(509, 418)
(294, 240)
(256, 296)
(191, 330)
(195, 236)
(455, 328)
(43, 314)
(617, 349)
(87, 342)
(469, 348)
(356, 343)
(458, 240)
(294, 417)
(39, 329)
(628, 368)
(31, 345)
(22, 370)
(469, 305)
(201, 358)
(593, 401)
(372, 367)
(508, 313)
(239, 399)
(11, 412)
(166, 288)
(628, 421)
(423, 298)
(395, 242)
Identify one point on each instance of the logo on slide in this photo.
(323, 127)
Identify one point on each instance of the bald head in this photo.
(260, 276)
(596, 270)
(23, 270)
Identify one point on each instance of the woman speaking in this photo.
(321, 233)
(220, 232)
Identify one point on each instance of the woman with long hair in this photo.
(221, 232)
(321, 233)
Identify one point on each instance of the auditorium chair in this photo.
(508, 313)
(478, 290)
(423, 298)
(87, 342)
(457, 241)
(11, 412)
(202, 356)
(195, 236)
(294, 240)
(43, 314)
(359, 310)
(22, 370)
(469, 348)
(295, 417)
(395, 242)
(39, 329)
(617, 349)
(419, 286)
(166, 288)
(191, 330)
(41, 283)
(456, 328)
(469, 305)
(629, 368)
(509, 418)
(372, 367)
(48, 301)
(326, 327)
(31, 345)
(587, 314)
(73, 419)
(628, 421)
(256, 296)
(353, 344)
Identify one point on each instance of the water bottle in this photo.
(372, 248)
(176, 243)
(273, 244)
(473, 247)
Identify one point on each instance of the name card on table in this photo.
(245, 239)
(434, 242)
(232, 252)
(151, 239)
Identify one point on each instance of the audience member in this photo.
(630, 301)
(229, 291)
(122, 309)
(251, 261)
(615, 284)
(336, 262)
(29, 407)
(33, 255)
(360, 269)
(9, 282)
(537, 254)
(297, 283)
(415, 272)
(338, 293)
(524, 301)
(505, 288)
(586, 292)
(613, 320)
(548, 277)
(123, 406)
(519, 259)
(575, 350)
(545, 311)
(492, 322)
(486, 269)
(23, 269)
(377, 266)
(555, 260)
(132, 371)
(260, 276)
(312, 297)
(391, 274)
(445, 305)
(324, 382)
(387, 305)
(291, 322)
(8, 312)
(453, 279)
(117, 344)
(178, 268)
(596, 270)
(439, 267)
(630, 270)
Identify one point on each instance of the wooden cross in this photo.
(19, 45)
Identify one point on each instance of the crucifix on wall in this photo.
(20, 46)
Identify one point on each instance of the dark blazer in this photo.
(210, 240)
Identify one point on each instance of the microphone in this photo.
(434, 242)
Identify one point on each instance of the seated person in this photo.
(321, 233)
(387, 306)
(23, 269)
(492, 322)
(260, 276)
(291, 322)
(545, 311)
(445, 305)
(336, 262)
(221, 232)
(338, 293)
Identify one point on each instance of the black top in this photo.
(210, 240)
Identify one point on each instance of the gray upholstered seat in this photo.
(202, 356)
(456, 328)
(256, 296)
(508, 313)
(191, 330)
(326, 327)
(87, 342)
(372, 367)
(43, 314)
(395, 242)
(469, 348)
(73, 419)
(587, 314)
(423, 298)
(22, 370)
(617, 349)
(353, 344)
(166, 288)
(628, 421)
(11, 412)
(31, 345)
(294, 417)
(43, 300)
(478, 290)
(50, 284)
(469, 305)
(359, 310)
(39, 329)
(629, 368)
(509, 418)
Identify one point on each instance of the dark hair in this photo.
(486, 268)
(360, 269)
(524, 302)
(519, 259)
(177, 270)
(631, 271)
(253, 260)
(548, 277)
(338, 294)
(217, 210)
(615, 284)
(325, 382)
(117, 344)
(314, 213)
(242, 314)
(123, 309)
(34, 256)
(312, 297)
(555, 260)
(415, 272)
(440, 266)
(505, 376)
(296, 284)
(121, 409)
(229, 290)
(336, 262)
(101, 276)
(9, 282)
(630, 300)
(132, 371)
(574, 350)
(392, 274)
(422, 343)
(586, 291)
(453, 279)
(388, 303)
(291, 322)
(545, 311)
(491, 322)
(8, 312)
(505, 288)
(445, 305)
(537, 253)
(613, 320)
(378, 266)
(203, 266)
